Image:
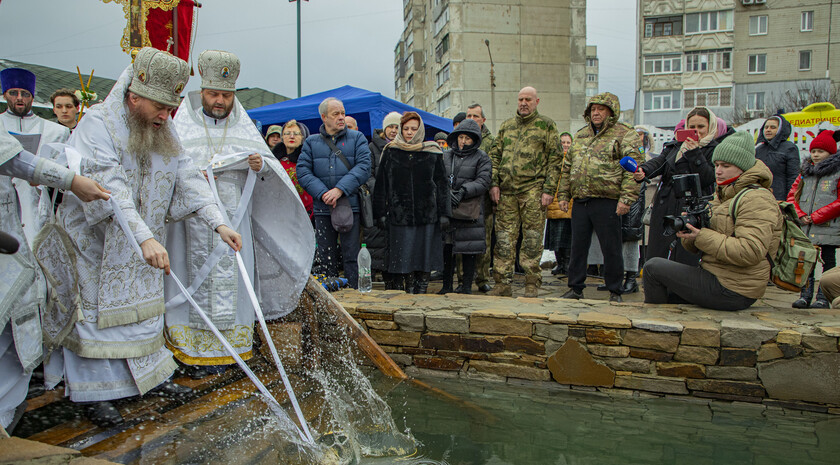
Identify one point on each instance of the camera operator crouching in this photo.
(734, 268)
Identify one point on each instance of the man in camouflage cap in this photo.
(602, 190)
(526, 162)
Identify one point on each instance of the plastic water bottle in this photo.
(365, 282)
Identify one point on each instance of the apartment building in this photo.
(442, 61)
(591, 71)
(737, 57)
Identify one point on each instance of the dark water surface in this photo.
(534, 425)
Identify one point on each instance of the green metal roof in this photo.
(48, 80)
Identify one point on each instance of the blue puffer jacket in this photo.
(319, 170)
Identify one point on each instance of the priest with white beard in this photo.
(263, 205)
(129, 145)
(22, 290)
(33, 131)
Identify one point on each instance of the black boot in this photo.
(421, 282)
(804, 300)
(407, 281)
(820, 301)
(171, 390)
(630, 284)
(558, 268)
(103, 413)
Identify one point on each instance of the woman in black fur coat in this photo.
(411, 200)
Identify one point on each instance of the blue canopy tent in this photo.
(369, 109)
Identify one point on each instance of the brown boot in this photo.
(501, 290)
(532, 288)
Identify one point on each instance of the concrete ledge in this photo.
(763, 354)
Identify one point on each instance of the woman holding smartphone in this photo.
(689, 153)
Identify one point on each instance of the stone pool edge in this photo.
(675, 351)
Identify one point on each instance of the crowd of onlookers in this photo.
(468, 198)
(445, 208)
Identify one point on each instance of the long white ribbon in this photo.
(306, 437)
(258, 309)
(221, 248)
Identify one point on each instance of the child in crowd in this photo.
(816, 195)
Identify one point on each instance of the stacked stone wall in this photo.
(665, 350)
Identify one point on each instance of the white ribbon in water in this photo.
(258, 309)
(118, 214)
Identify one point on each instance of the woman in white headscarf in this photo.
(688, 157)
(411, 200)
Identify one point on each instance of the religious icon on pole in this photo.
(164, 24)
(136, 24)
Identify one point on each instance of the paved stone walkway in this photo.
(554, 287)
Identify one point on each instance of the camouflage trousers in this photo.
(482, 265)
(512, 211)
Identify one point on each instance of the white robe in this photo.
(282, 265)
(117, 349)
(22, 289)
(30, 196)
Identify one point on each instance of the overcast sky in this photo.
(343, 41)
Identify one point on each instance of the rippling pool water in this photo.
(523, 424)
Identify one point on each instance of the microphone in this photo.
(8, 244)
(630, 164)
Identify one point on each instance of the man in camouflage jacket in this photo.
(602, 190)
(526, 164)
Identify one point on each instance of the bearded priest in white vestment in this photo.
(264, 207)
(129, 145)
(19, 92)
(23, 287)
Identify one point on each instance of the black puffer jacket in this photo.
(781, 156)
(472, 168)
(375, 238)
(411, 188)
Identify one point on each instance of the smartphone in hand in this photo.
(682, 134)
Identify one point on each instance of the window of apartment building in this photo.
(591, 62)
(668, 100)
(443, 104)
(663, 64)
(757, 64)
(663, 26)
(441, 20)
(807, 22)
(804, 60)
(708, 21)
(707, 97)
(443, 75)
(409, 62)
(442, 48)
(591, 91)
(709, 60)
(409, 16)
(758, 25)
(409, 83)
(409, 40)
(755, 101)
(591, 78)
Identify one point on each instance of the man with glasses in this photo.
(33, 133)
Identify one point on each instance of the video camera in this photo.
(694, 206)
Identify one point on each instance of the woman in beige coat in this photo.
(734, 269)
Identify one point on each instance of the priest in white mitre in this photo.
(32, 131)
(23, 287)
(260, 199)
(129, 145)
